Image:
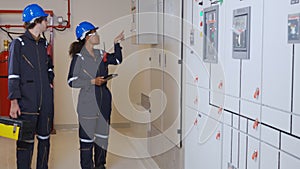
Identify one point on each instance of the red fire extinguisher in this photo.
(4, 102)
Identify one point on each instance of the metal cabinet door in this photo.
(268, 156)
(227, 143)
(290, 162)
(296, 100)
(277, 57)
(194, 124)
(232, 67)
(251, 69)
(253, 153)
(172, 69)
(210, 144)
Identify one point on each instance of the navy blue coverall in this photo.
(30, 73)
(94, 102)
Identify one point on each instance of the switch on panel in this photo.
(211, 29)
(293, 28)
(192, 37)
(241, 33)
(294, 2)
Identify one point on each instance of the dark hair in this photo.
(76, 47)
(29, 25)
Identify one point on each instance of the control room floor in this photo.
(64, 153)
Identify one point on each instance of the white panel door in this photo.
(197, 72)
(232, 67)
(253, 153)
(235, 148)
(290, 144)
(251, 69)
(172, 69)
(170, 119)
(217, 72)
(227, 135)
(194, 124)
(276, 118)
(296, 125)
(192, 96)
(289, 162)
(268, 156)
(210, 143)
(252, 111)
(156, 94)
(277, 56)
(242, 163)
(296, 105)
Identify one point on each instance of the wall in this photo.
(112, 16)
(242, 113)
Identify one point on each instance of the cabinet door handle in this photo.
(255, 124)
(256, 93)
(165, 60)
(159, 59)
(255, 155)
(218, 136)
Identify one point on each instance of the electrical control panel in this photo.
(241, 33)
(144, 22)
(293, 28)
(211, 29)
(294, 2)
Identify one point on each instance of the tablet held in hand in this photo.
(110, 76)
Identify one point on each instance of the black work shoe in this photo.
(100, 167)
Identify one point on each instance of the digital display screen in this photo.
(240, 32)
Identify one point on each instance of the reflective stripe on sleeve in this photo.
(118, 61)
(72, 79)
(80, 55)
(21, 40)
(14, 77)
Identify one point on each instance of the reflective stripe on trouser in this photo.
(43, 152)
(95, 128)
(25, 148)
(44, 127)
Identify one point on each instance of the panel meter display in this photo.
(241, 33)
(293, 28)
(211, 23)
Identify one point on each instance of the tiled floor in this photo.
(65, 152)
